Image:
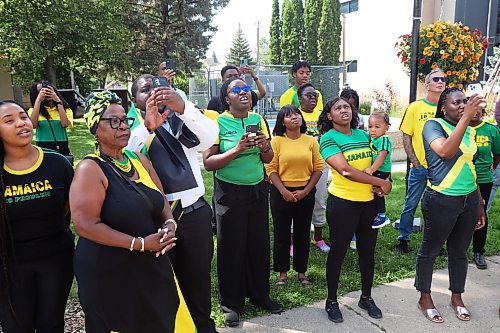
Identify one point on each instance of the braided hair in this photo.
(351, 93)
(223, 92)
(442, 100)
(325, 124)
(6, 242)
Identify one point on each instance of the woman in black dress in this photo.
(125, 282)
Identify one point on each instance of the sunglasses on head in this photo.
(237, 90)
(439, 78)
(115, 122)
(311, 95)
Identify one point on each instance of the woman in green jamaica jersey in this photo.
(488, 148)
(452, 206)
(351, 206)
(36, 244)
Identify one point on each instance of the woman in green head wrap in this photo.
(125, 225)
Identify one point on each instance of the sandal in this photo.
(461, 312)
(305, 282)
(431, 314)
(281, 283)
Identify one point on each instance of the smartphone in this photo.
(244, 62)
(253, 130)
(45, 84)
(170, 63)
(160, 81)
(475, 88)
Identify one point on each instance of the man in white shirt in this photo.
(172, 140)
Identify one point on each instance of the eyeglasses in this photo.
(311, 95)
(439, 78)
(237, 90)
(116, 122)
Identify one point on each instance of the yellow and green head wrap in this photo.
(95, 105)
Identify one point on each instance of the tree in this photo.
(290, 35)
(298, 6)
(240, 49)
(492, 60)
(312, 17)
(45, 39)
(329, 33)
(178, 29)
(275, 35)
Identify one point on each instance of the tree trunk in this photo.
(50, 71)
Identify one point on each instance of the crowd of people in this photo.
(143, 257)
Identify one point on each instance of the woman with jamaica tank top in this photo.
(125, 283)
(350, 207)
(36, 244)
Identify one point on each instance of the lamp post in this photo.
(344, 68)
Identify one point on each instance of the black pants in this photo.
(449, 219)
(243, 263)
(479, 239)
(284, 213)
(345, 218)
(380, 201)
(39, 295)
(191, 259)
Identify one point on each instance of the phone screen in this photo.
(160, 81)
(244, 62)
(170, 63)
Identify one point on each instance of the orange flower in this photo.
(445, 55)
(430, 34)
(434, 66)
(448, 73)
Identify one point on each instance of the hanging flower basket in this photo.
(449, 46)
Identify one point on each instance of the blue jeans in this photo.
(417, 181)
(496, 184)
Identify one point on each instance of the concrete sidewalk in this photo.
(398, 302)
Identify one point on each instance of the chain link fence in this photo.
(276, 78)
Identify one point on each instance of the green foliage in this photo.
(312, 17)
(365, 107)
(179, 29)
(290, 34)
(299, 10)
(492, 60)
(45, 39)
(240, 49)
(275, 35)
(264, 51)
(329, 33)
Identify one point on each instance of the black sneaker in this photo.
(269, 306)
(402, 247)
(480, 261)
(369, 305)
(231, 318)
(333, 311)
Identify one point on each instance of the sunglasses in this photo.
(115, 122)
(237, 90)
(439, 78)
(311, 95)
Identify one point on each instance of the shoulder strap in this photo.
(53, 134)
(104, 163)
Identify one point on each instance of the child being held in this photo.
(381, 145)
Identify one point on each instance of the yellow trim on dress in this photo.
(30, 169)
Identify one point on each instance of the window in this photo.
(349, 6)
(352, 66)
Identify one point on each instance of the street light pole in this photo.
(344, 68)
(415, 34)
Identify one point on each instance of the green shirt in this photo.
(379, 144)
(356, 150)
(247, 168)
(43, 131)
(488, 145)
(455, 176)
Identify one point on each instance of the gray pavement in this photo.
(398, 302)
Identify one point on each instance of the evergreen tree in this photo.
(299, 14)
(329, 33)
(290, 35)
(240, 49)
(312, 17)
(275, 35)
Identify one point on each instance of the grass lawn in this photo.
(389, 267)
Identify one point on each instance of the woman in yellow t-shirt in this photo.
(294, 171)
(350, 207)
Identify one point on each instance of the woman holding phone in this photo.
(51, 116)
(241, 203)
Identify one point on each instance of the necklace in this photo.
(124, 166)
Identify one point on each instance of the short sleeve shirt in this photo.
(290, 97)
(413, 122)
(488, 145)
(379, 144)
(455, 176)
(35, 200)
(311, 119)
(43, 131)
(247, 168)
(356, 150)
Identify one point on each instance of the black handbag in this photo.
(68, 156)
